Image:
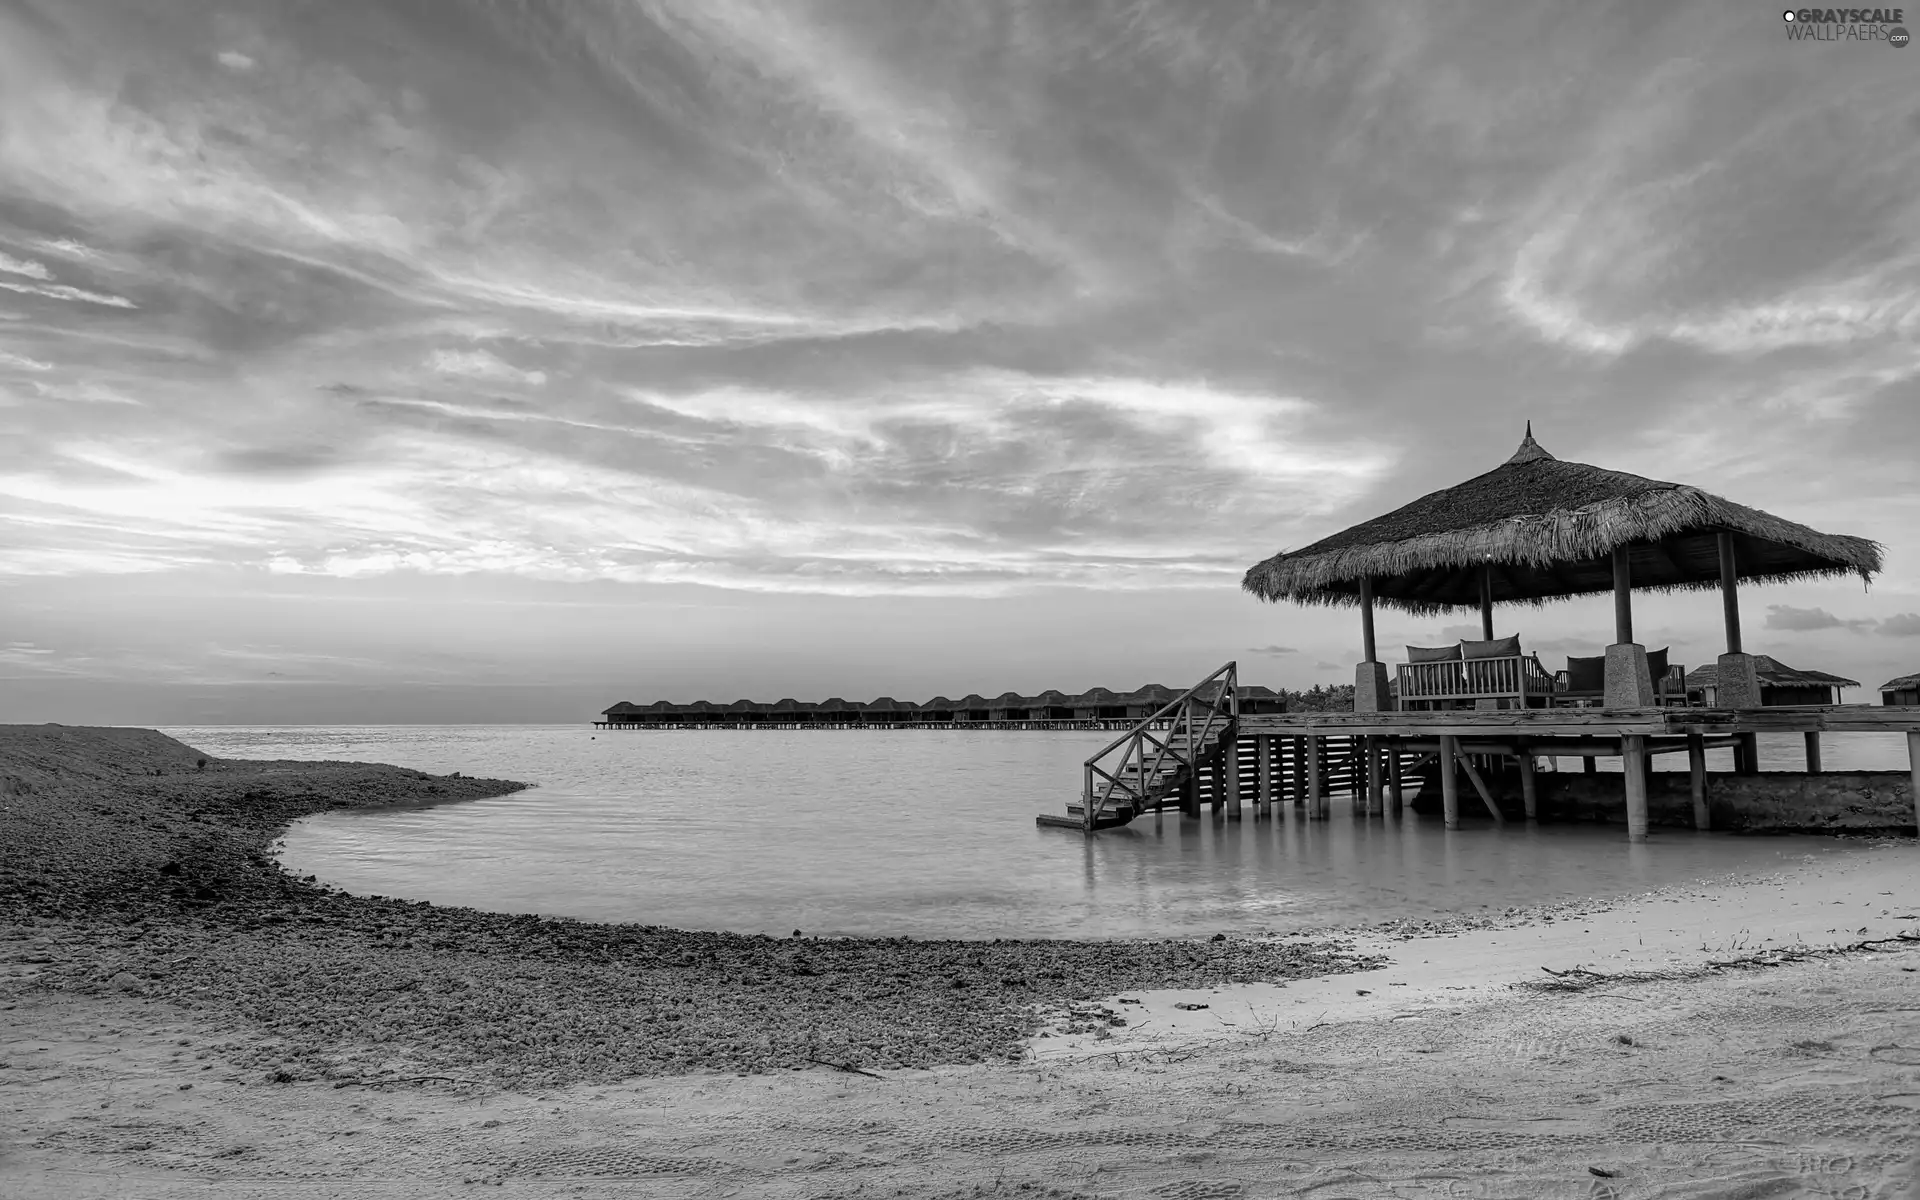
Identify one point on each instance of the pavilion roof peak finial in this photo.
(1530, 450)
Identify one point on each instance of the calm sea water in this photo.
(926, 834)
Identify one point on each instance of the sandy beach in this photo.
(180, 1018)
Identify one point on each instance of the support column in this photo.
(1300, 771)
(1375, 800)
(1263, 756)
(1233, 777)
(1813, 752)
(1589, 766)
(1749, 753)
(1396, 791)
(1628, 681)
(1449, 783)
(1697, 779)
(1736, 680)
(1316, 779)
(1633, 754)
(1486, 601)
(1529, 786)
(1370, 693)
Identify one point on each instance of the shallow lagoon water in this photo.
(930, 834)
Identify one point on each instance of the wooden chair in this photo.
(1583, 683)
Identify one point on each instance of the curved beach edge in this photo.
(133, 863)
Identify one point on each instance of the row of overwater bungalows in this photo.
(1048, 708)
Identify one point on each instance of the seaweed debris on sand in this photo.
(134, 863)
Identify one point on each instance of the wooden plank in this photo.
(1449, 785)
(1529, 787)
(1486, 795)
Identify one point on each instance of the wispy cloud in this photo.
(478, 364)
(989, 300)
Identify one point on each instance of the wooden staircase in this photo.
(1157, 763)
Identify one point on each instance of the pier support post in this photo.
(1316, 779)
(1913, 765)
(1299, 771)
(1813, 751)
(1633, 753)
(1697, 772)
(1747, 754)
(1529, 786)
(1396, 790)
(1233, 777)
(1589, 766)
(1449, 782)
(1263, 772)
(1375, 798)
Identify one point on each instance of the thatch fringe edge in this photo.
(1561, 536)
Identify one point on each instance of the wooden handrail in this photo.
(1180, 711)
(1169, 707)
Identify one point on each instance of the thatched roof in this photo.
(1772, 673)
(1902, 684)
(1547, 529)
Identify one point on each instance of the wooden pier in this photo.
(1203, 753)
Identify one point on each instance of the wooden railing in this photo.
(1193, 720)
(1514, 677)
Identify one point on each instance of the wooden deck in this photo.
(1260, 760)
(1589, 722)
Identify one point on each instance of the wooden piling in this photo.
(1697, 779)
(1813, 751)
(1396, 792)
(1300, 772)
(1633, 752)
(1913, 766)
(1529, 787)
(1449, 785)
(1233, 778)
(1263, 773)
(1316, 780)
(1374, 797)
(1588, 765)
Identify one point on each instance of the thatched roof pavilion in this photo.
(1537, 528)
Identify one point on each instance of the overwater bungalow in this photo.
(1780, 685)
(1904, 691)
(1533, 530)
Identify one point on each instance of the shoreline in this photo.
(324, 1056)
(130, 867)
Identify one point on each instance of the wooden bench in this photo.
(1512, 681)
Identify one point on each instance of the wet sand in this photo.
(1640, 1069)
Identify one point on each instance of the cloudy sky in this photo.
(454, 361)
